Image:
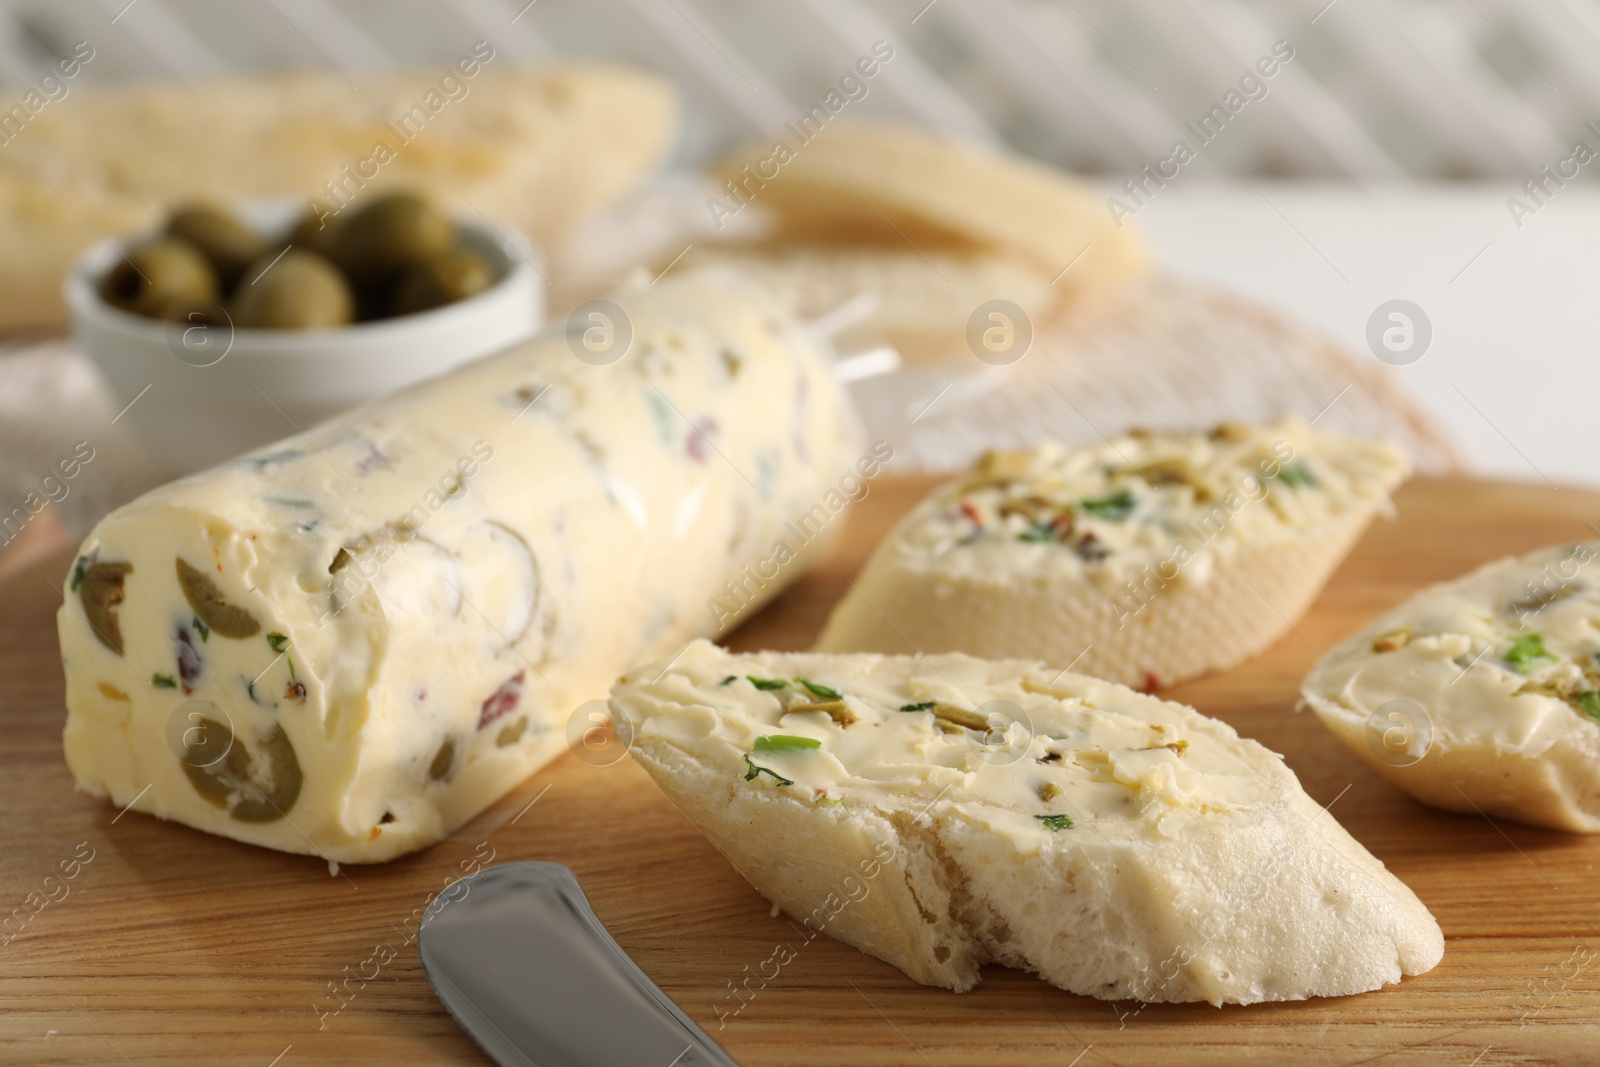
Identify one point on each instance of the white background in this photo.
(1513, 371)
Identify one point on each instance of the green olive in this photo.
(375, 301)
(314, 230)
(222, 771)
(452, 275)
(225, 619)
(300, 291)
(100, 591)
(150, 278)
(227, 243)
(443, 760)
(396, 231)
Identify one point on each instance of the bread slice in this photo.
(922, 304)
(901, 184)
(932, 227)
(1481, 694)
(537, 148)
(1145, 560)
(946, 812)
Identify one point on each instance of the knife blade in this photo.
(518, 957)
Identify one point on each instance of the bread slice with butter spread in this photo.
(1482, 694)
(1146, 559)
(946, 812)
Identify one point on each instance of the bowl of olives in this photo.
(228, 328)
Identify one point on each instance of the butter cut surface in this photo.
(1146, 560)
(945, 812)
(1482, 694)
(348, 644)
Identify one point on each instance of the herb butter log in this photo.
(348, 643)
(944, 812)
(1145, 560)
(1482, 694)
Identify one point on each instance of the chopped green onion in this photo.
(163, 681)
(729, 680)
(822, 691)
(1113, 508)
(1589, 704)
(77, 572)
(767, 683)
(785, 743)
(754, 771)
(202, 628)
(926, 705)
(1297, 476)
(1056, 822)
(277, 642)
(1039, 533)
(1528, 653)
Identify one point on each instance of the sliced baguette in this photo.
(1118, 845)
(930, 226)
(1481, 694)
(1146, 560)
(923, 303)
(902, 185)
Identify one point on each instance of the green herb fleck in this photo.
(1056, 822)
(926, 705)
(820, 690)
(1297, 476)
(1589, 703)
(1113, 508)
(1527, 653)
(785, 743)
(277, 642)
(204, 630)
(754, 771)
(163, 681)
(290, 502)
(767, 683)
(729, 680)
(78, 570)
(1039, 533)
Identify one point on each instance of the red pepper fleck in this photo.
(700, 436)
(295, 691)
(1151, 682)
(502, 701)
(972, 513)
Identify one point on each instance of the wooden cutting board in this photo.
(169, 946)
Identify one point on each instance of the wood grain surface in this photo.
(168, 946)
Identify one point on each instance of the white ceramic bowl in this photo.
(200, 395)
